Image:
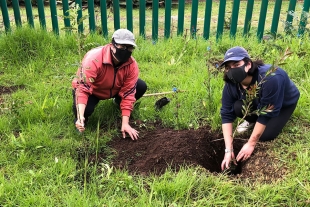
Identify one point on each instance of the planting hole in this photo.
(159, 148)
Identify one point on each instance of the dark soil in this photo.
(160, 148)
(9, 89)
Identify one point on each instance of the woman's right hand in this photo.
(227, 159)
(79, 124)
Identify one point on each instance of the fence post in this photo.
(289, 17)
(181, 8)
(276, 16)
(91, 16)
(54, 16)
(79, 16)
(168, 4)
(262, 19)
(41, 14)
(234, 18)
(155, 20)
(221, 19)
(207, 22)
(194, 14)
(17, 17)
(129, 15)
(248, 17)
(142, 6)
(29, 13)
(303, 18)
(65, 11)
(5, 15)
(104, 18)
(116, 14)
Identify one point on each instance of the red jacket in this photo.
(101, 79)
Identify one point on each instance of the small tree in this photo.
(253, 91)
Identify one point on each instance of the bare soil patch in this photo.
(160, 148)
(9, 89)
(5, 91)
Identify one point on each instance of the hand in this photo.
(79, 124)
(227, 159)
(245, 152)
(134, 134)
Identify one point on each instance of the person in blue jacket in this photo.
(276, 91)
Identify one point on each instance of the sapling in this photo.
(80, 37)
(175, 95)
(253, 92)
(212, 68)
(208, 82)
(80, 42)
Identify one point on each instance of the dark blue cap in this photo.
(235, 54)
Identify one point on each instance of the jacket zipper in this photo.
(115, 71)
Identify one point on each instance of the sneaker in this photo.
(245, 126)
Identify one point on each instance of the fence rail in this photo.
(7, 19)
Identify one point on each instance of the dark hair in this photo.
(255, 65)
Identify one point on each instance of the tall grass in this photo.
(42, 159)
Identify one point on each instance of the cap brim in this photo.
(231, 59)
(125, 42)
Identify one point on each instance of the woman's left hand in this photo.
(245, 152)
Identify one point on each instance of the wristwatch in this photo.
(228, 150)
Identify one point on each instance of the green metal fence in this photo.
(104, 12)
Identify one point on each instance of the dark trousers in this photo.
(93, 100)
(274, 125)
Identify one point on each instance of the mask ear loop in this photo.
(113, 42)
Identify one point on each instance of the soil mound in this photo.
(161, 148)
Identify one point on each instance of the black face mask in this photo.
(237, 75)
(122, 55)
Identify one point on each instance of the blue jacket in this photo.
(277, 90)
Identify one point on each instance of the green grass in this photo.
(40, 149)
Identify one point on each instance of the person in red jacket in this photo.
(108, 72)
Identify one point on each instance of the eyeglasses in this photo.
(125, 47)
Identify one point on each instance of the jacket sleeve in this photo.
(128, 90)
(272, 94)
(85, 77)
(229, 97)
